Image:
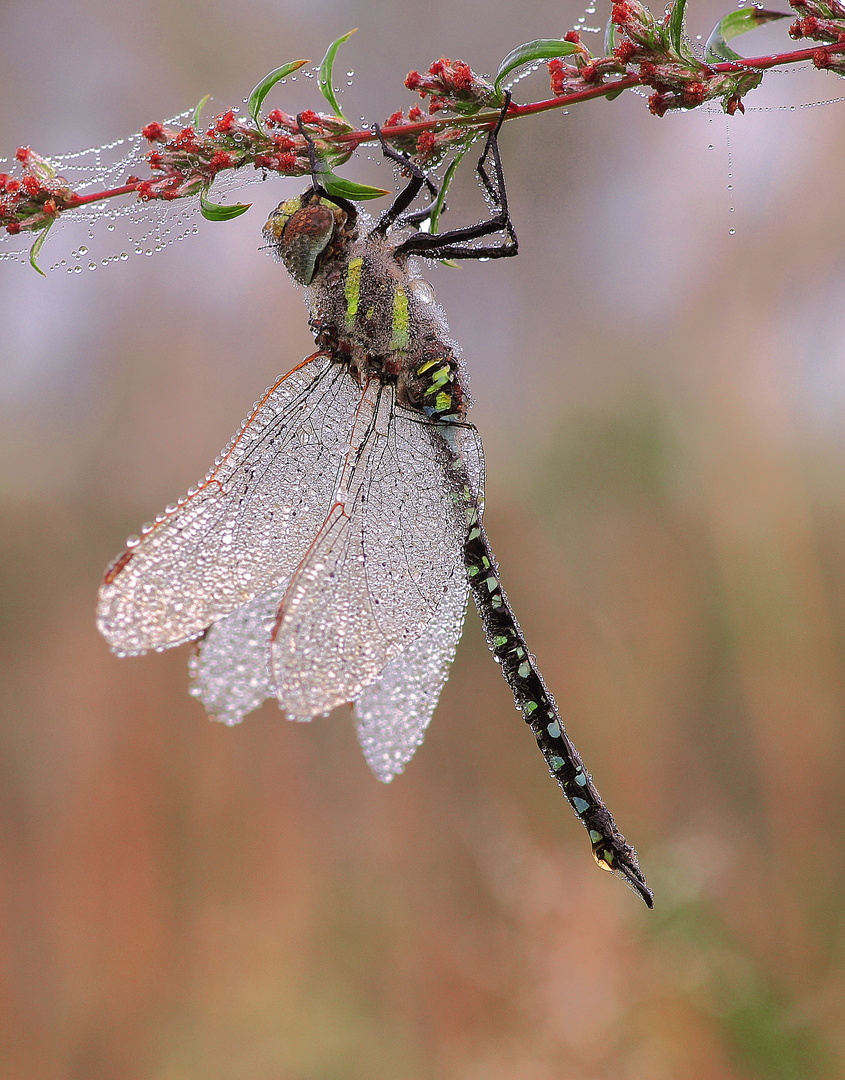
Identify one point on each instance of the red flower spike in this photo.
(154, 132)
(425, 144)
(451, 84)
(625, 52)
(573, 36)
(415, 113)
(221, 160)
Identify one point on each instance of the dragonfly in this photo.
(328, 556)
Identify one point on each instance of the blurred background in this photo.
(660, 383)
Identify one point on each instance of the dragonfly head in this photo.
(309, 230)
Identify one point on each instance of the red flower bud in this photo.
(154, 132)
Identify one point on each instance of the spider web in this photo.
(116, 229)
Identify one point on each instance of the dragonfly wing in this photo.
(248, 525)
(232, 675)
(380, 565)
(394, 710)
(377, 568)
(231, 671)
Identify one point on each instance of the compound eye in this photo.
(299, 235)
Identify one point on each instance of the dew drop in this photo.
(732, 232)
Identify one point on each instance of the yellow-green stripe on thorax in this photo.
(353, 289)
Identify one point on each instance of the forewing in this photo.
(248, 525)
(379, 566)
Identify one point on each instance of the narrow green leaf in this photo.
(348, 189)
(215, 212)
(609, 37)
(440, 200)
(256, 98)
(716, 51)
(325, 76)
(37, 246)
(531, 51)
(676, 26)
(198, 110)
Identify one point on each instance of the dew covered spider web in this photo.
(117, 229)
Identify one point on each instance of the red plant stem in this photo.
(354, 139)
(97, 196)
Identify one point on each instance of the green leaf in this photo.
(37, 246)
(198, 110)
(215, 212)
(531, 51)
(609, 37)
(437, 208)
(716, 51)
(325, 76)
(348, 189)
(256, 98)
(676, 26)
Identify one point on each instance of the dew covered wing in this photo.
(380, 565)
(249, 524)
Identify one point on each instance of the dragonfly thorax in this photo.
(369, 305)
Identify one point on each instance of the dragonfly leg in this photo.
(458, 243)
(316, 169)
(406, 196)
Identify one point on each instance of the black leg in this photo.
(407, 195)
(338, 200)
(455, 244)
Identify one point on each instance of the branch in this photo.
(641, 51)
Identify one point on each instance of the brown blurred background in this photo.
(662, 405)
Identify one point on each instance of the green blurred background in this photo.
(662, 405)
